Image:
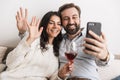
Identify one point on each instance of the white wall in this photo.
(105, 11)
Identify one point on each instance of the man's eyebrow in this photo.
(72, 15)
(65, 17)
(75, 15)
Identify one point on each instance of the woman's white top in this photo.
(28, 62)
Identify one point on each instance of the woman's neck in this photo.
(50, 41)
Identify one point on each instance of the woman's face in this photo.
(54, 26)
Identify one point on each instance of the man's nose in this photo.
(71, 21)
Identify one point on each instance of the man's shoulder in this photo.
(83, 31)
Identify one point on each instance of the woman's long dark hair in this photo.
(44, 36)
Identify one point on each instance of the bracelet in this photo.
(20, 33)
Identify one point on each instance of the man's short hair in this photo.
(69, 5)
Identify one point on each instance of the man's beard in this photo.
(72, 31)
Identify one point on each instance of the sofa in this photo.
(3, 54)
(111, 72)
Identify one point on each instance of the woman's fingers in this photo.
(28, 24)
(32, 21)
(26, 13)
(21, 12)
(40, 31)
(38, 22)
(18, 15)
(35, 21)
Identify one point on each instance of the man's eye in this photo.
(75, 17)
(65, 19)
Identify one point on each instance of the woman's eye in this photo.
(51, 23)
(59, 24)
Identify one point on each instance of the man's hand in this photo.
(99, 46)
(21, 19)
(65, 70)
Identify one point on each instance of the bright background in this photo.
(105, 11)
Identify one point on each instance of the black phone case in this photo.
(95, 27)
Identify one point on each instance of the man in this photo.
(86, 62)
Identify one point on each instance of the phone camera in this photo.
(91, 24)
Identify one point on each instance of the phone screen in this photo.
(95, 27)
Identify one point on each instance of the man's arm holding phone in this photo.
(96, 46)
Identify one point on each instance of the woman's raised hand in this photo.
(21, 19)
(33, 30)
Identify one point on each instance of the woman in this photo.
(36, 56)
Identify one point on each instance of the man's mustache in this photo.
(71, 25)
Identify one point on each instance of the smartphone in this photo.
(95, 27)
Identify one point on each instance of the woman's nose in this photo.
(56, 25)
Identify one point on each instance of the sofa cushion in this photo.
(116, 78)
(111, 71)
(2, 67)
(2, 52)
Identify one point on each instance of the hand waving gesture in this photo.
(21, 20)
(33, 30)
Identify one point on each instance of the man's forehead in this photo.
(70, 15)
(69, 12)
